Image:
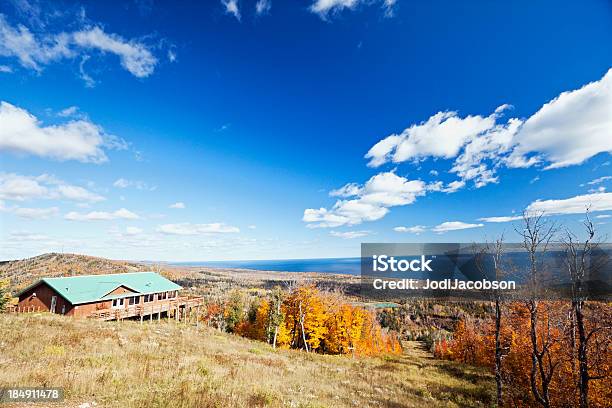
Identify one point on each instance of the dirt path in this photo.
(417, 349)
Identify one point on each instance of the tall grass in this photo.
(167, 364)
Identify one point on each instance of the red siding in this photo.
(39, 297)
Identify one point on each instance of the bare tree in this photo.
(579, 262)
(495, 251)
(537, 234)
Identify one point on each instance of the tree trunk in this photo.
(302, 316)
(536, 362)
(583, 367)
(275, 335)
(498, 351)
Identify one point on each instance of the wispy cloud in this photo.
(231, 7)
(178, 205)
(21, 188)
(501, 219)
(137, 184)
(599, 180)
(416, 229)
(122, 213)
(572, 205)
(31, 213)
(263, 7)
(349, 234)
(454, 226)
(34, 51)
(197, 229)
(325, 8)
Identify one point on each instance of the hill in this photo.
(24, 271)
(168, 364)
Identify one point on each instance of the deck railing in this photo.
(156, 308)
(24, 309)
(177, 306)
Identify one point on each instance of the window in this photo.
(148, 298)
(161, 296)
(172, 294)
(118, 303)
(133, 300)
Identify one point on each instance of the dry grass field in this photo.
(167, 364)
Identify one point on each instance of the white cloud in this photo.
(77, 193)
(196, 229)
(454, 226)
(122, 213)
(20, 43)
(568, 130)
(442, 135)
(454, 186)
(133, 230)
(369, 202)
(389, 7)
(30, 213)
(323, 7)
(6, 69)
(33, 52)
(27, 236)
(231, 7)
(326, 7)
(417, 229)
(140, 185)
(263, 7)
(134, 56)
(68, 112)
(81, 140)
(252, 227)
(348, 190)
(87, 79)
(603, 216)
(501, 219)
(349, 234)
(178, 205)
(20, 188)
(573, 205)
(121, 183)
(599, 189)
(599, 180)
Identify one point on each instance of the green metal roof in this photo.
(92, 288)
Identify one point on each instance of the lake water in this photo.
(350, 266)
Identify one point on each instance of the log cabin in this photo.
(112, 296)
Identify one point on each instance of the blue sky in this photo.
(268, 129)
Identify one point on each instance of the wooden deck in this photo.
(179, 307)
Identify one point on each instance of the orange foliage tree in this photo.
(314, 321)
(473, 343)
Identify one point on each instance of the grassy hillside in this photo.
(168, 364)
(24, 271)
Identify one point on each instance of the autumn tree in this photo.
(4, 294)
(537, 235)
(579, 260)
(234, 311)
(275, 316)
(305, 312)
(495, 252)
